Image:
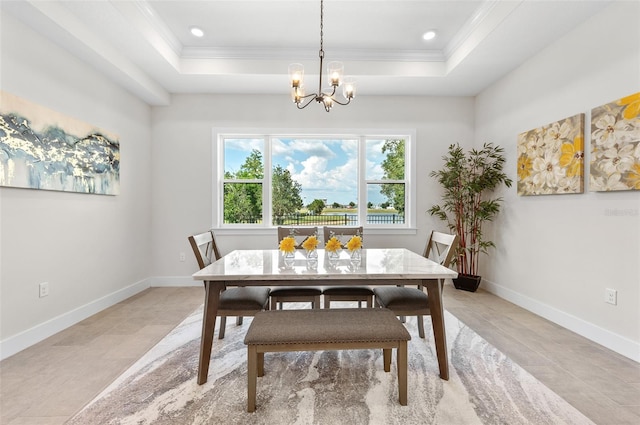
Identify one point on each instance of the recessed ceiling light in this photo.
(429, 35)
(196, 31)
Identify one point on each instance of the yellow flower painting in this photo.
(288, 244)
(615, 145)
(551, 158)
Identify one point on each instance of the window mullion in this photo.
(362, 185)
(267, 192)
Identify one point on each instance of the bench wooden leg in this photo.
(252, 369)
(386, 354)
(402, 372)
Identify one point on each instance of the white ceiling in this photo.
(145, 45)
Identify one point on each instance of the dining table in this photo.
(374, 266)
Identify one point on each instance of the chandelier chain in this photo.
(321, 28)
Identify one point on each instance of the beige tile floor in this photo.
(49, 382)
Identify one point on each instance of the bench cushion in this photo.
(325, 326)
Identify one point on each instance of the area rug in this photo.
(327, 387)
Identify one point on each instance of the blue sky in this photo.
(326, 168)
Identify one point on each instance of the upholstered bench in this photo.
(332, 329)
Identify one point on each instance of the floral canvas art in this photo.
(615, 145)
(551, 158)
(43, 149)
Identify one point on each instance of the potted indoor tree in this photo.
(468, 179)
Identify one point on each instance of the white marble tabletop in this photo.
(269, 264)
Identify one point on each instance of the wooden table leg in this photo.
(211, 300)
(434, 292)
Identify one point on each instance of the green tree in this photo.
(286, 198)
(316, 206)
(393, 166)
(243, 201)
(336, 205)
(252, 167)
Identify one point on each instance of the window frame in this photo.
(218, 180)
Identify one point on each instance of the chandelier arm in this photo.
(342, 103)
(307, 103)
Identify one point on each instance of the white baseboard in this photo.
(19, 342)
(608, 339)
(25, 339)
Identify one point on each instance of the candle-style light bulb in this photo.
(295, 80)
(296, 72)
(335, 73)
(328, 102)
(335, 79)
(349, 88)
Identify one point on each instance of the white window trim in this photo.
(266, 228)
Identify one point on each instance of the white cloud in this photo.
(326, 169)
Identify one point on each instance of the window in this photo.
(267, 180)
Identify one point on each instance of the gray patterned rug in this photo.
(327, 387)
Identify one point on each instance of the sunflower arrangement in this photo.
(310, 243)
(354, 243)
(333, 244)
(288, 244)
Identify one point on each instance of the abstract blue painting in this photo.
(43, 149)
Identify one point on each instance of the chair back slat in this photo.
(300, 234)
(441, 247)
(204, 248)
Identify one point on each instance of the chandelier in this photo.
(334, 70)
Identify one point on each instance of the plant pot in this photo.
(467, 282)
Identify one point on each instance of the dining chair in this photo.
(403, 301)
(357, 293)
(289, 294)
(236, 301)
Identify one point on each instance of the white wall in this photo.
(87, 247)
(182, 159)
(557, 254)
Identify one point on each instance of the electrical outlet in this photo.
(611, 296)
(44, 289)
(182, 257)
